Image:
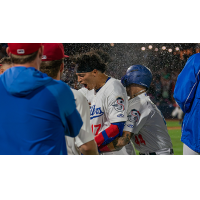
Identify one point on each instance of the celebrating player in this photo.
(5, 63)
(33, 118)
(109, 101)
(186, 94)
(145, 126)
(53, 65)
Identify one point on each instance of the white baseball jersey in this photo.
(108, 105)
(89, 94)
(148, 125)
(85, 135)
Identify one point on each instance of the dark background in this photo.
(166, 60)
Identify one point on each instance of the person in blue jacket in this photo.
(34, 117)
(187, 95)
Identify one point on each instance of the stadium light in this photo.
(150, 46)
(156, 49)
(177, 48)
(164, 48)
(143, 48)
(170, 50)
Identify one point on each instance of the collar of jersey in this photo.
(140, 96)
(104, 84)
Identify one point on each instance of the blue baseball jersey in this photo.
(187, 95)
(36, 113)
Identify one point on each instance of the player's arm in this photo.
(69, 115)
(113, 131)
(89, 148)
(116, 107)
(118, 143)
(74, 122)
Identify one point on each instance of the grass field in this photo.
(175, 135)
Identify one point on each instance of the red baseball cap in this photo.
(53, 51)
(22, 49)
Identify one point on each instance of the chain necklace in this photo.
(140, 92)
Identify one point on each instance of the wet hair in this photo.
(51, 68)
(104, 55)
(16, 59)
(89, 61)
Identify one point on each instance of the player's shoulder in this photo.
(114, 85)
(60, 90)
(150, 105)
(63, 95)
(196, 55)
(146, 101)
(78, 95)
(194, 59)
(142, 98)
(58, 86)
(116, 81)
(83, 90)
(140, 102)
(87, 93)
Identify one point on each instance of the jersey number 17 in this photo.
(93, 127)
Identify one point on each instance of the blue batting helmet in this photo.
(137, 74)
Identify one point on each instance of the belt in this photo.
(154, 153)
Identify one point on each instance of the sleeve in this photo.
(69, 115)
(117, 104)
(187, 83)
(137, 118)
(85, 135)
(73, 124)
(108, 135)
(83, 91)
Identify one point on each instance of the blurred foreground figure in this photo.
(178, 112)
(53, 66)
(187, 95)
(34, 118)
(145, 126)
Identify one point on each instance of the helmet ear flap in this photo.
(124, 81)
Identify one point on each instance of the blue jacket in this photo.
(36, 112)
(187, 95)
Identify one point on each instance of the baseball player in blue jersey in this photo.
(187, 95)
(36, 111)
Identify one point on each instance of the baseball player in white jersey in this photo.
(145, 126)
(83, 143)
(108, 102)
(75, 146)
(89, 94)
